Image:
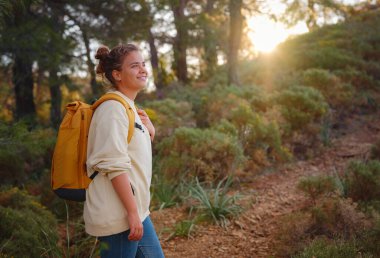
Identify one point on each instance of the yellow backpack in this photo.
(69, 178)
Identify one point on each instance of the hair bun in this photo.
(102, 53)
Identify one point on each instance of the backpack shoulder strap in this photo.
(129, 110)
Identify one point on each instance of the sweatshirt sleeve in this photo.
(107, 143)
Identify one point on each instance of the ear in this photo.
(116, 75)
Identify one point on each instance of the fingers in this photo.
(136, 233)
(141, 112)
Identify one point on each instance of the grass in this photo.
(214, 203)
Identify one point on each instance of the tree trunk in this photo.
(157, 75)
(91, 67)
(23, 82)
(180, 40)
(236, 27)
(210, 54)
(55, 98)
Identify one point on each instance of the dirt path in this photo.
(268, 198)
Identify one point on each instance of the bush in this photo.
(168, 114)
(323, 248)
(292, 235)
(370, 239)
(260, 139)
(362, 181)
(301, 106)
(336, 92)
(316, 186)
(27, 228)
(191, 152)
(330, 217)
(337, 217)
(23, 153)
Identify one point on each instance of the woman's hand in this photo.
(146, 121)
(135, 227)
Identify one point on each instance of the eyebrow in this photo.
(136, 63)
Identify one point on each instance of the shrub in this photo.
(337, 217)
(323, 248)
(168, 114)
(301, 106)
(23, 153)
(292, 235)
(198, 97)
(370, 239)
(205, 153)
(362, 181)
(261, 140)
(316, 186)
(336, 92)
(27, 228)
(215, 204)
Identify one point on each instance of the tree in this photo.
(180, 40)
(15, 42)
(311, 11)
(235, 33)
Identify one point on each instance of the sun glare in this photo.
(266, 34)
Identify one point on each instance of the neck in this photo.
(131, 94)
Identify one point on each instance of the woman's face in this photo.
(133, 74)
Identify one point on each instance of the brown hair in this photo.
(112, 60)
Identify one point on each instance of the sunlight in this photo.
(266, 34)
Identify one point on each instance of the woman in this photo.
(117, 201)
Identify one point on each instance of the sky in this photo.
(266, 34)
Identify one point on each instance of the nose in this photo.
(143, 69)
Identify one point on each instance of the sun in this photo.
(266, 34)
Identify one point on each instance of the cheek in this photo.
(128, 75)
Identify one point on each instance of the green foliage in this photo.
(164, 193)
(184, 228)
(226, 127)
(337, 217)
(323, 248)
(205, 153)
(316, 186)
(362, 181)
(301, 106)
(342, 47)
(23, 153)
(370, 239)
(336, 92)
(242, 107)
(168, 114)
(27, 228)
(215, 204)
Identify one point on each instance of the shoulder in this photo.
(110, 109)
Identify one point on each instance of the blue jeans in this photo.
(118, 245)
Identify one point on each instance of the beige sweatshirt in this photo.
(109, 153)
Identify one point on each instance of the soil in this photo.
(267, 198)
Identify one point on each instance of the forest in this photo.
(258, 152)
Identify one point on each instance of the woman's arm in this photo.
(123, 189)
